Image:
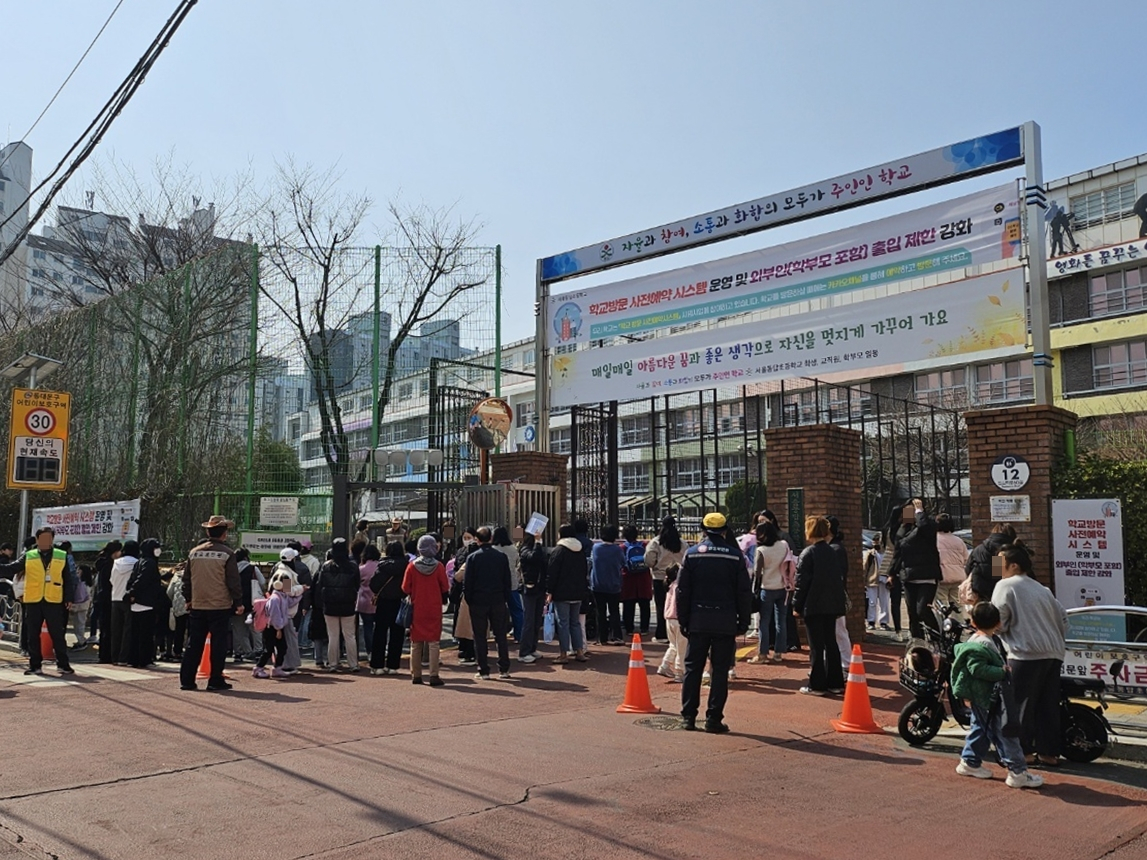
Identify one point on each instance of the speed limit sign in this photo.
(38, 440)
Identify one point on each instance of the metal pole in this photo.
(542, 364)
(498, 321)
(24, 493)
(253, 360)
(1035, 202)
(375, 358)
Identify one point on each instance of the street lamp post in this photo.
(38, 368)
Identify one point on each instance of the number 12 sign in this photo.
(38, 440)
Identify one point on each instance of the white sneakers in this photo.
(1027, 779)
(529, 658)
(965, 769)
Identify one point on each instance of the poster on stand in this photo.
(1087, 535)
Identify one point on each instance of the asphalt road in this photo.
(125, 765)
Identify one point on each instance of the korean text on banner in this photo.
(934, 167)
(1087, 536)
(980, 228)
(90, 526)
(978, 317)
(265, 546)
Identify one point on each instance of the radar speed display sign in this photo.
(38, 440)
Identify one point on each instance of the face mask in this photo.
(467, 541)
(157, 552)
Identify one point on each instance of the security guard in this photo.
(714, 602)
(48, 589)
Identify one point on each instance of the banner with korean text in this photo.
(90, 526)
(976, 319)
(1087, 535)
(979, 228)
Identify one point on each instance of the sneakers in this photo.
(67, 670)
(378, 671)
(478, 676)
(416, 679)
(279, 673)
(503, 676)
(1027, 779)
(778, 657)
(581, 656)
(467, 661)
(715, 727)
(705, 679)
(809, 691)
(732, 674)
(757, 659)
(33, 671)
(260, 672)
(528, 658)
(435, 681)
(979, 772)
(836, 691)
(664, 671)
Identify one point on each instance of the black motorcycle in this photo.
(925, 673)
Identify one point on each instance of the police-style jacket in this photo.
(714, 594)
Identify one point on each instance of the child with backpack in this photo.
(272, 615)
(977, 670)
(636, 583)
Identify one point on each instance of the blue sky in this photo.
(555, 125)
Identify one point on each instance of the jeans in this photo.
(36, 615)
(984, 732)
(878, 610)
(495, 617)
(517, 614)
(826, 672)
(703, 646)
(341, 624)
(533, 603)
(80, 624)
(417, 649)
(386, 647)
(608, 616)
(920, 596)
(300, 621)
(200, 624)
(366, 625)
(1035, 684)
(773, 609)
(674, 658)
(659, 591)
(567, 620)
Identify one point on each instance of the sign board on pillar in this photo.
(1011, 509)
(795, 504)
(1011, 473)
(38, 440)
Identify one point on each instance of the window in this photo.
(39, 255)
(800, 408)
(1120, 364)
(405, 390)
(295, 430)
(1005, 381)
(528, 358)
(731, 417)
(943, 387)
(525, 416)
(560, 440)
(687, 423)
(688, 473)
(1116, 292)
(635, 430)
(1103, 207)
(635, 477)
(730, 468)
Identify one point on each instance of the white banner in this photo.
(265, 546)
(979, 318)
(934, 167)
(980, 228)
(1099, 258)
(1087, 536)
(90, 526)
(279, 511)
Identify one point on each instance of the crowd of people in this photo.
(366, 599)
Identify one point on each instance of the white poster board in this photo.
(90, 526)
(1087, 535)
(279, 511)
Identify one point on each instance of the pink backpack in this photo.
(259, 616)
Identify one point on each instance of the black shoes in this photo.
(189, 686)
(68, 671)
(689, 724)
(218, 687)
(715, 727)
(33, 671)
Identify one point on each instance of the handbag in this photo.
(405, 613)
(548, 624)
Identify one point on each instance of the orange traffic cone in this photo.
(857, 716)
(47, 650)
(205, 663)
(637, 699)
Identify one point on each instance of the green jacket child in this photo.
(976, 669)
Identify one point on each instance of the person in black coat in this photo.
(819, 598)
(487, 590)
(336, 599)
(918, 566)
(102, 601)
(565, 586)
(714, 604)
(386, 584)
(145, 594)
(533, 563)
(979, 563)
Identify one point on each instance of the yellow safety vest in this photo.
(44, 585)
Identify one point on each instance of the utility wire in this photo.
(99, 126)
(55, 96)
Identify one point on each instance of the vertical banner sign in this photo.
(38, 440)
(794, 498)
(1088, 541)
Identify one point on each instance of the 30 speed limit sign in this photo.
(38, 440)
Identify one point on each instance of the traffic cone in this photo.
(47, 650)
(205, 663)
(857, 716)
(637, 699)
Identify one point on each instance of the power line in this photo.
(99, 126)
(68, 78)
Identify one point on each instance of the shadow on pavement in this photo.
(817, 747)
(1083, 795)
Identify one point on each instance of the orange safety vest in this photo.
(44, 585)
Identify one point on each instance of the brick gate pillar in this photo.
(1035, 433)
(823, 460)
(534, 467)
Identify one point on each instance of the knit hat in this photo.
(427, 546)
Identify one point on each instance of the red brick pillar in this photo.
(533, 467)
(823, 460)
(1035, 433)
